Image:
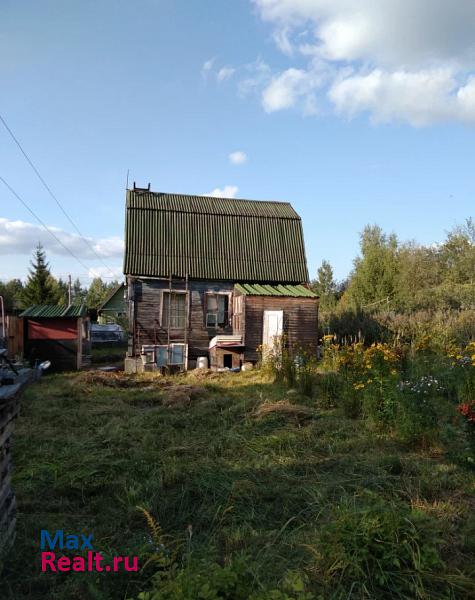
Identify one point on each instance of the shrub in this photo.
(372, 549)
(351, 402)
(202, 580)
(329, 387)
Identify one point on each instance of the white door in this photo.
(272, 330)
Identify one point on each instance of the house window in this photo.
(174, 310)
(217, 310)
(175, 355)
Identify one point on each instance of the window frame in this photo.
(187, 311)
(169, 353)
(207, 313)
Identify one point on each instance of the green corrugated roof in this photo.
(51, 311)
(292, 291)
(213, 238)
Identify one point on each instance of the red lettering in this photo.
(97, 561)
(79, 564)
(47, 560)
(64, 563)
(117, 560)
(135, 563)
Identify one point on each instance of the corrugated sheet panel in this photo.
(213, 238)
(50, 311)
(209, 205)
(292, 291)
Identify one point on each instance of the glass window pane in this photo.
(212, 302)
(177, 354)
(162, 356)
(176, 305)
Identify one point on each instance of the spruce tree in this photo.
(39, 288)
(79, 293)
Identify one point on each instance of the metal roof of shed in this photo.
(292, 291)
(52, 311)
(213, 238)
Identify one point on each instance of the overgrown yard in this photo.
(256, 491)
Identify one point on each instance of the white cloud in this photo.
(288, 88)
(393, 32)
(105, 273)
(281, 38)
(257, 74)
(21, 237)
(238, 157)
(395, 59)
(228, 191)
(207, 66)
(225, 73)
(421, 97)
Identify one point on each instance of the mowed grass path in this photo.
(89, 449)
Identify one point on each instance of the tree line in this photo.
(393, 282)
(41, 287)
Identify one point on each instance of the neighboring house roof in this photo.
(50, 311)
(113, 303)
(292, 291)
(213, 238)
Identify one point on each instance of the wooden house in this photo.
(59, 334)
(202, 269)
(113, 309)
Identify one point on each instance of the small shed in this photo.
(226, 352)
(262, 313)
(114, 307)
(60, 334)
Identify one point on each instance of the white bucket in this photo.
(202, 362)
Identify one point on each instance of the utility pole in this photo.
(69, 290)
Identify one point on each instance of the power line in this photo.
(9, 187)
(48, 189)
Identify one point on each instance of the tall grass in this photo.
(239, 501)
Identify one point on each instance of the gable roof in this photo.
(110, 298)
(52, 311)
(213, 238)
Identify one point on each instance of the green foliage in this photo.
(379, 550)
(326, 286)
(202, 580)
(405, 289)
(12, 292)
(41, 287)
(236, 506)
(78, 292)
(375, 273)
(98, 292)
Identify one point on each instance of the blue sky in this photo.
(339, 107)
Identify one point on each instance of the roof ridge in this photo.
(152, 193)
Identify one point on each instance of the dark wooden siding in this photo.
(145, 296)
(299, 325)
(53, 340)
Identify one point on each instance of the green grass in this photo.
(108, 354)
(347, 510)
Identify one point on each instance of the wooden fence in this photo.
(9, 409)
(13, 335)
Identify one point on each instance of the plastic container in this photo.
(202, 362)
